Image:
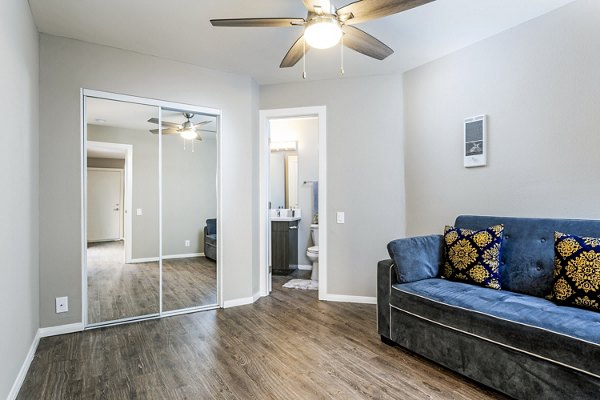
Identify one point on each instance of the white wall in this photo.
(539, 85)
(66, 66)
(19, 304)
(365, 170)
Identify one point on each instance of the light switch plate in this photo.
(138, 211)
(62, 304)
(340, 217)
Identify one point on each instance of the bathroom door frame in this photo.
(160, 105)
(320, 112)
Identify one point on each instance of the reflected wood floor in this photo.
(117, 290)
(285, 346)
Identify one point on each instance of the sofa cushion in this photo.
(566, 335)
(527, 261)
(416, 258)
(211, 240)
(576, 271)
(473, 256)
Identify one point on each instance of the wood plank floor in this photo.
(117, 290)
(285, 346)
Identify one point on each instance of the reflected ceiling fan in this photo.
(325, 26)
(188, 130)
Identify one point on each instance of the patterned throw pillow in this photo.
(473, 256)
(576, 271)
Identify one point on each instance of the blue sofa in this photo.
(210, 239)
(514, 339)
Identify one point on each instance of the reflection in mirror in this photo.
(122, 201)
(284, 179)
(189, 193)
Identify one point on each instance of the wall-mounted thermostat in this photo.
(475, 145)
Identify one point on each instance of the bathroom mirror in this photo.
(189, 209)
(284, 179)
(122, 211)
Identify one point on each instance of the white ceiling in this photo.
(135, 116)
(180, 30)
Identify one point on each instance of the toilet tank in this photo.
(314, 233)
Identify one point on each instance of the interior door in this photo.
(105, 192)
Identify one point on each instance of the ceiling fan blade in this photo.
(318, 6)
(257, 22)
(365, 10)
(202, 122)
(165, 123)
(294, 54)
(364, 43)
(169, 131)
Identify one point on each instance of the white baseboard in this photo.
(242, 301)
(350, 299)
(167, 257)
(305, 267)
(16, 387)
(60, 329)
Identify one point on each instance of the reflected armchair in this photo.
(210, 239)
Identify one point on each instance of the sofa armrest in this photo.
(417, 258)
(386, 277)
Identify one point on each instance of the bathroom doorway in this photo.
(293, 198)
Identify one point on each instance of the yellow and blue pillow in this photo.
(576, 271)
(473, 256)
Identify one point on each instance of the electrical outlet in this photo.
(62, 304)
(138, 211)
(187, 243)
(341, 217)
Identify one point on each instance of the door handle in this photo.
(116, 209)
(293, 227)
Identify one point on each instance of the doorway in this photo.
(318, 185)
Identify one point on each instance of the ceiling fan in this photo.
(324, 26)
(188, 130)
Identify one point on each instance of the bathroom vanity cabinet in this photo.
(284, 247)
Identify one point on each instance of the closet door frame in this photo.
(159, 104)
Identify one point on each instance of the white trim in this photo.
(16, 387)
(160, 214)
(264, 219)
(60, 329)
(241, 301)
(169, 257)
(305, 267)
(348, 299)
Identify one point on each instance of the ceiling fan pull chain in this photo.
(304, 58)
(183, 144)
(342, 51)
(192, 145)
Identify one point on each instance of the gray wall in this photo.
(539, 85)
(189, 189)
(365, 170)
(306, 132)
(19, 302)
(66, 66)
(93, 162)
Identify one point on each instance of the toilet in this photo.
(313, 252)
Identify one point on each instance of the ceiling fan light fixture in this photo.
(323, 32)
(189, 134)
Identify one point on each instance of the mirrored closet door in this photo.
(122, 211)
(151, 239)
(189, 209)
